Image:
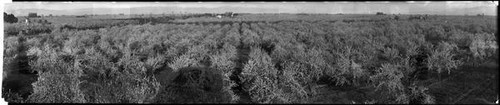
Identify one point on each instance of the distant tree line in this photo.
(9, 18)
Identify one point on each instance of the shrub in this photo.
(155, 63)
(442, 58)
(250, 38)
(483, 47)
(58, 81)
(313, 58)
(418, 95)
(12, 46)
(112, 51)
(295, 84)
(233, 36)
(224, 61)
(388, 82)
(280, 53)
(460, 38)
(196, 56)
(390, 54)
(345, 70)
(388, 76)
(123, 82)
(199, 53)
(260, 77)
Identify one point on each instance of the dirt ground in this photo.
(467, 85)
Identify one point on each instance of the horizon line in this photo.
(100, 14)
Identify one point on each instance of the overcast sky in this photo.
(417, 7)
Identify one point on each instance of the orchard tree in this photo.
(443, 58)
(224, 61)
(483, 48)
(58, 81)
(260, 78)
(388, 83)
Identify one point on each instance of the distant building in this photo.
(121, 14)
(31, 15)
(380, 13)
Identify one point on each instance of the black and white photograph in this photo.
(250, 52)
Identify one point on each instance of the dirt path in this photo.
(242, 54)
(20, 78)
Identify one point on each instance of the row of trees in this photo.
(35, 28)
(287, 61)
